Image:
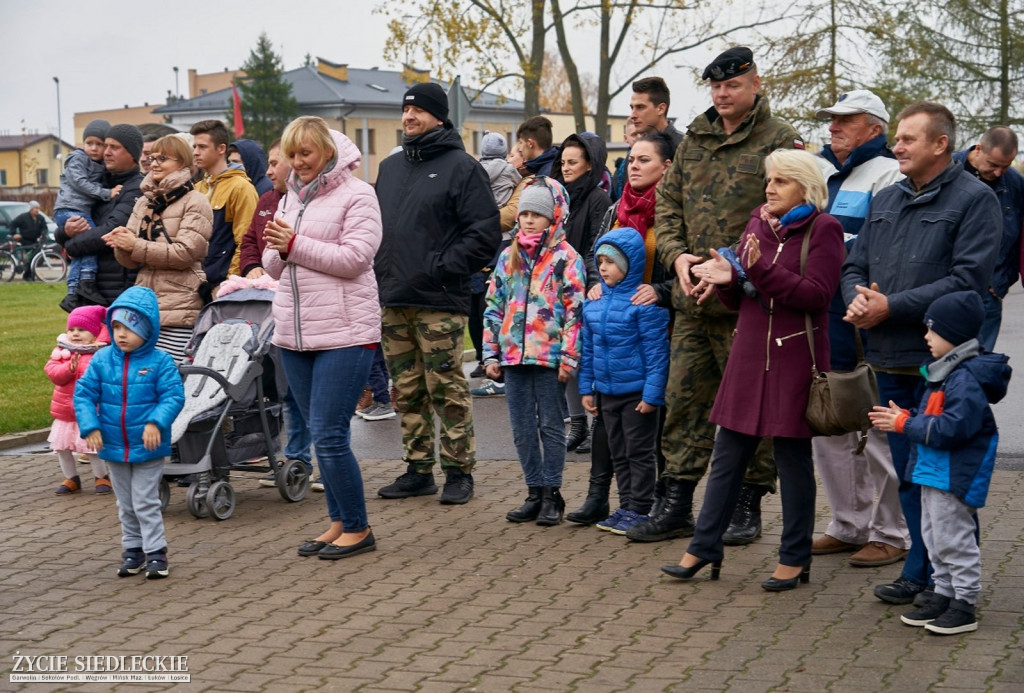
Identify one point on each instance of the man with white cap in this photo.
(857, 164)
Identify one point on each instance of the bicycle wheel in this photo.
(49, 266)
(8, 267)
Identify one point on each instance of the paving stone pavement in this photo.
(458, 599)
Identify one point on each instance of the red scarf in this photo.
(636, 211)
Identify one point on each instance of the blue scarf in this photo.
(798, 213)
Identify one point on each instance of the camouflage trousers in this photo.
(424, 354)
(700, 347)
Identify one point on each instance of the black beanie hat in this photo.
(430, 97)
(733, 62)
(956, 317)
(130, 138)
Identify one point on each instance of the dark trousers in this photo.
(379, 378)
(632, 439)
(477, 303)
(729, 459)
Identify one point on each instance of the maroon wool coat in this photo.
(768, 374)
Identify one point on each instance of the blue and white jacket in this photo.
(954, 431)
(625, 347)
(120, 393)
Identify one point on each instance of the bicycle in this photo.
(45, 260)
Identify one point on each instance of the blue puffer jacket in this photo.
(625, 347)
(120, 393)
(954, 430)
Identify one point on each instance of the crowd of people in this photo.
(680, 302)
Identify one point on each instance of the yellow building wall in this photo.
(9, 163)
(132, 115)
(21, 171)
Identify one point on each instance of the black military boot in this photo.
(552, 505)
(659, 498)
(676, 518)
(745, 526)
(529, 510)
(579, 431)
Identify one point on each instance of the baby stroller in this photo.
(232, 414)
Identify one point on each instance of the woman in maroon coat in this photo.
(768, 374)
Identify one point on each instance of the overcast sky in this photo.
(108, 53)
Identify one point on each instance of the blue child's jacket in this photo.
(120, 393)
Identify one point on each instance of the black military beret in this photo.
(729, 64)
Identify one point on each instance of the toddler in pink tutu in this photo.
(66, 365)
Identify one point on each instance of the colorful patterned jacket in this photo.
(533, 315)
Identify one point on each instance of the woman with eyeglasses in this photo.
(166, 240)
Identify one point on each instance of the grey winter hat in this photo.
(493, 146)
(537, 198)
(615, 255)
(130, 138)
(96, 128)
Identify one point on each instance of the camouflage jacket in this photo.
(704, 200)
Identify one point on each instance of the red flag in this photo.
(237, 101)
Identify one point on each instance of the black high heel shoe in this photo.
(678, 571)
(774, 584)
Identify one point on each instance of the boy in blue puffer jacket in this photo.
(955, 438)
(125, 405)
(623, 373)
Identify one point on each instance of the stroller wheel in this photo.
(220, 499)
(165, 494)
(293, 481)
(196, 501)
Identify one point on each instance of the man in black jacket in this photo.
(27, 228)
(121, 157)
(440, 226)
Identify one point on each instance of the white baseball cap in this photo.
(857, 101)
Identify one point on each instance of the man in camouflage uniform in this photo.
(703, 203)
(440, 226)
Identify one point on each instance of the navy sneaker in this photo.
(901, 591)
(958, 618)
(612, 520)
(629, 520)
(156, 565)
(132, 562)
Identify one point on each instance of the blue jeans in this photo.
(993, 320)
(83, 267)
(906, 391)
(326, 385)
(299, 442)
(534, 397)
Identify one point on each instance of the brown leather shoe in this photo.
(829, 544)
(365, 399)
(877, 553)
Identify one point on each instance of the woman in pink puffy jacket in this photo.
(320, 246)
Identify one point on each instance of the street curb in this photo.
(13, 440)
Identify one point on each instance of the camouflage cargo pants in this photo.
(424, 354)
(700, 347)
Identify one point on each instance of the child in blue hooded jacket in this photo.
(955, 438)
(623, 373)
(125, 405)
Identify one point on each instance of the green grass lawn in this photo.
(30, 321)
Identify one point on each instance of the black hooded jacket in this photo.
(587, 202)
(440, 223)
(255, 163)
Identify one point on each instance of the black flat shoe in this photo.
(774, 584)
(312, 547)
(678, 571)
(333, 552)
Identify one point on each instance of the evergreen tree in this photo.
(267, 101)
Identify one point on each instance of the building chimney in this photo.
(334, 70)
(412, 75)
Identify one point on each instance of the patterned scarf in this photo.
(636, 210)
(152, 226)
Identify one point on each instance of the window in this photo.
(56, 151)
(370, 146)
(3, 176)
(42, 176)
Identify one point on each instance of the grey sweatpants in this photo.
(137, 486)
(947, 524)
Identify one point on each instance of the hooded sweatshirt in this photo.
(587, 201)
(233, 199)
(255, 163)
(120, 393)
(533, 314)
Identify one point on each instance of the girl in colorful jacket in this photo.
(67, 363)
(531, 328)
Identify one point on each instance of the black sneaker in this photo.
(902, 591)
(412, 483)
(132, 562)
(923, 598)
(156, 565)
(927, 612)
(458, 488)
(958, 618)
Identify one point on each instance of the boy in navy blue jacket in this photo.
(955, 438)
(125, 405)
(625, 365)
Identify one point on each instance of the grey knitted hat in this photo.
(537, 198)
(130, 138)
(96, 128)
(493, 146)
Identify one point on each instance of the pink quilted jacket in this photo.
(64, 369)
(327, 297)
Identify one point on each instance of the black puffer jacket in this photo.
(587, 202)
(111, 277)
(440, 223)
